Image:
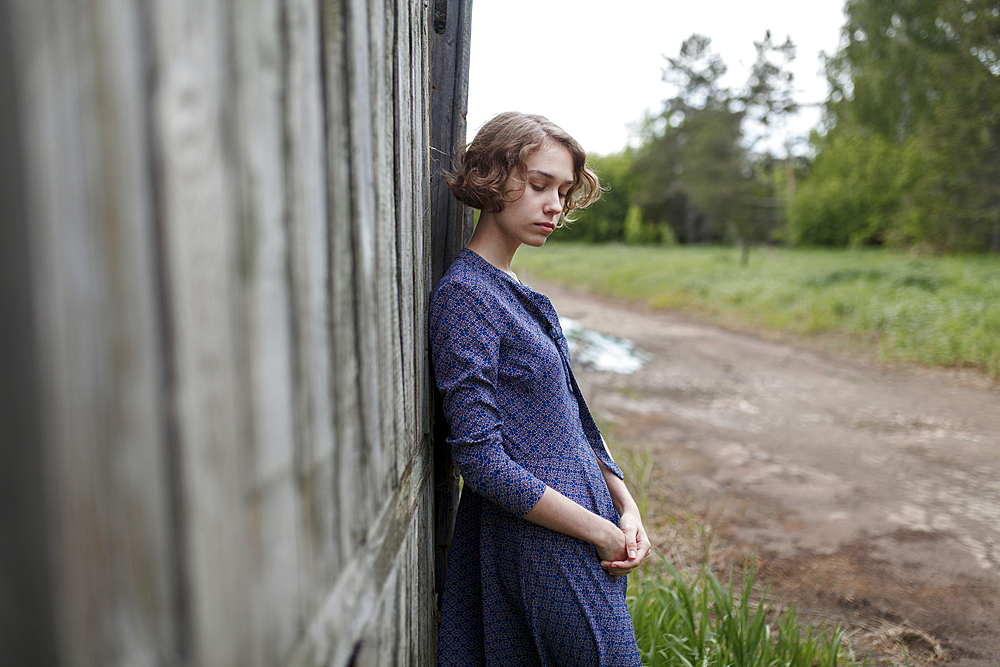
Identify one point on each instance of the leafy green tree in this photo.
(691, 165)
(697, 170)
(923, 75)
(854, 191)
(768, 100)
(605, 219)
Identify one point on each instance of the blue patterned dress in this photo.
(517, 594)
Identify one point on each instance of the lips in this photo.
(549, 227)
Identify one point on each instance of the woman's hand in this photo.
(636, 546)
(613, 547)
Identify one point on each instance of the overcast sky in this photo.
(593, 67)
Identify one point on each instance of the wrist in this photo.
(610, 536)
(630, 510)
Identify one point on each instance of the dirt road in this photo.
(872, 494)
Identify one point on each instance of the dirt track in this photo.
(871, 494)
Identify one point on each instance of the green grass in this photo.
(937, 311)
(704, 623)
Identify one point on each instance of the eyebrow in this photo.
(548, 176)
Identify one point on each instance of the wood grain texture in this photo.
(451, 222)
(272, 503)
(195, 129)
(225, 256)
(88, 210)
(309, 260)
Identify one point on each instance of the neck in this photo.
(490, 243)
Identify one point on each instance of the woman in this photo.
(546, 528)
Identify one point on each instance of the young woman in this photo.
(546, 528)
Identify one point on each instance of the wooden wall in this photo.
(215, 258)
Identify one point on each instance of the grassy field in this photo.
(940, 311)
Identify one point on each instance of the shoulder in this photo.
(466, 284)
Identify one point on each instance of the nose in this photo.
(553, 203)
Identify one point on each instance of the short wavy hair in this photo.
(501, 149)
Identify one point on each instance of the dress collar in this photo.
(541, 302)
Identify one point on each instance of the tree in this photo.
(925, 76)
(768, 100)
(697, 169)
(604, 220)
(691, 164)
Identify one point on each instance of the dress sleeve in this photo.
(465, 349)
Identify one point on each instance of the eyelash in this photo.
(541, 188)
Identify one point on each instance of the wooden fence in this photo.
(215, 256)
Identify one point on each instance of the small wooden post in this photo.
(451, 222)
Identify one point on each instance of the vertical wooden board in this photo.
(400, 618)
(89, 210)
(27, 579)
(429, 612)
(352, 505)
(422, 205)
(272, 504)
(384, 281)
(362, 219)
(422, 608)
(403, 154)
(380, 189)
(400, 432)
(200, 242)
(407, 619)
(449, 78)
(413, 605)
(309, 238)
(376, 647)
(381, 29)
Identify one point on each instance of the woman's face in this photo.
(533, 215)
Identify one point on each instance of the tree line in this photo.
(908, 154)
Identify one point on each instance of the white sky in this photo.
(593, 67)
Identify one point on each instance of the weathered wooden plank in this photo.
(272, 500)
(402, 439)
(451, 225)
(27, 631)
(422, 217)
(382, 29)
(363, 211)
(422, 213)
(310, 258)
(355, 511)
(449, 80)
(381, 223)
(427, 624)
(201, 246)
(349, 607)
(406, 194)
(87, 202)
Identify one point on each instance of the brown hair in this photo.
(501, 149)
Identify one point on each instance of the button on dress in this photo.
(518, 594)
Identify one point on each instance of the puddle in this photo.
(599, 352)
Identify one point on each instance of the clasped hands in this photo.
(623, 554)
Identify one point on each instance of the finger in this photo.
(621, 566)
(619, 572)
(630, 544)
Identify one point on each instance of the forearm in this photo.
(562, 515)
(620, 495)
